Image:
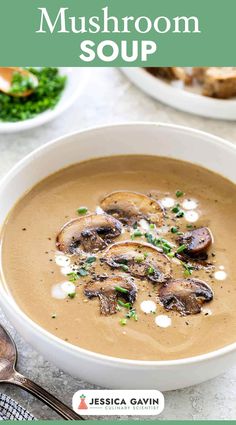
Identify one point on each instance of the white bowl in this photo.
(154, 139)
(76, 82)
(181, 98)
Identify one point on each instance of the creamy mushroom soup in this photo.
(129, 256)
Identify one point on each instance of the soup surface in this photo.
(53, 277)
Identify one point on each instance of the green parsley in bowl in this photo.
(58, 88)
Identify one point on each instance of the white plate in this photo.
(76, 81)
(181, 98)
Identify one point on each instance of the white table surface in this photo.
(110, 98)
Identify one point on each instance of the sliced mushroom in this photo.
(90, 233)
(197, 242)
(185, 295)
(130, 207)
(109, 290)
(140, 260)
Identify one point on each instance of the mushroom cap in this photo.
(197, 241)
(130, 207)
(140, 260)
(185, 295)
(108, 293)
(89, 233)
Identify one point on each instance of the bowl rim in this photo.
(67, 346)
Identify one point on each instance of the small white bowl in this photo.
(181, 98)
(149, 139)
(76, 82)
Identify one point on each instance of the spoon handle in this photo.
(44, 396)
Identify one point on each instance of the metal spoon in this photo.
(8, 374)
(6, 75)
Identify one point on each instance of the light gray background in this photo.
(108, 98)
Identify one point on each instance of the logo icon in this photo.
(82, 404)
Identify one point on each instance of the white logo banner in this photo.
(118, 402)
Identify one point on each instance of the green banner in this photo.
(117, 33)
(141, 422)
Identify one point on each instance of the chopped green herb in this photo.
(180, 214)
(124, 267)
(171, 254)
(151, 270)
(176, 208)
(137, 233)
(181, 249)
(174, 229)
(132, 315)
(179, 193)
(189, 226)
(123, 322)
(159, 242)
(150, 238)
(118, 308)
(90, 260)
(122, 290)
(73, 277)
(188, 269)
(82, 210)
(83, 272)
(139, 258)
(72, 295)
(45, 96)
(21, 83)
(152, 226)
(125, 305)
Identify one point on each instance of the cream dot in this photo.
(148, 306)
(68, 287)
(66, 270)
(191, 216)
(189, 204)
(163, 321)
(220, 275)
(167, 202)
(57, 292)
(61, 290)
(62, 260)
(206, 311)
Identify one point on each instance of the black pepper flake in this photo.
(24, 229)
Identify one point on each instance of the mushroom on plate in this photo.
(140, 260)
(130, 207)
(90, 233)
(110, 290)
(185, 295)
(197, 241)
